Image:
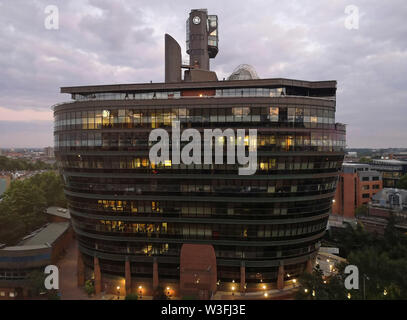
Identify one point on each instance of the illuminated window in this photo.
(273, 114)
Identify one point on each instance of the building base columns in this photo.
(242, 277)
(280, 278)
(127, 271)
(155, 274)
(80, 270)
(309, 267)
(98, 276)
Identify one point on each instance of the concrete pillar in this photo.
(127, 272)
(242, 276)
(155, 274)
(98, 275)
(309, 267)
(80, 270)
(280, 278)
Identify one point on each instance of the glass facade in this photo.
(218, 93)
(122, 205)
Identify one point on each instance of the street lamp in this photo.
(140, 288)
(233, 290)
(266, 295)
(349, 295)
(118, 292)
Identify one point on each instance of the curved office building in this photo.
(125, 207)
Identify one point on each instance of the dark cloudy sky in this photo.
(107, 41)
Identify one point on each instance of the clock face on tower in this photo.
(196, 20)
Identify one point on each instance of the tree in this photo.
(7, 164)
(402, 182)
(36, 281)
(131, 296)
(23, 205)
(365, 160)
(381, 262)
(89, 287)
(315, 286)
(361, 211)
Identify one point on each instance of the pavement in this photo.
(68, 275)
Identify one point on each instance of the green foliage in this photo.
(365, 160)
(53, 295)
(7, 164)
(23, 205)
(402, 182)
(313, 287)
(36, 282)
(89, 287)
(131, 296)
(361, 211)
(381, 261)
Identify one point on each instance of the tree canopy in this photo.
(402, 182)
(8, 164)
(381, 262)
(23, 205)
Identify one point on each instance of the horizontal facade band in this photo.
(201, 85)
(86, 152)
(201, 176)
(220, 262)
(210, 102)
(193, 241)
(194, 198)
(199, 220)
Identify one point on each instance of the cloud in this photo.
(25, 115)
(104, 42)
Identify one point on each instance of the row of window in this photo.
(208, 231)
(233, 92)
(199, 209)
(367, 187)
(203, 188)
(173, 249)
(137, 141)
(144, 165)
(154, 118)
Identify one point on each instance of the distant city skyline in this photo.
(103, 42)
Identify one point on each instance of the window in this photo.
(365, 196)
(274, 114)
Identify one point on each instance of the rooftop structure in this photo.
(392, 170)
(47, 235)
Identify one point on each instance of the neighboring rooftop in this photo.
(47, 235)
(59, 212)
(389, 161)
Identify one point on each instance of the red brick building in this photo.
(357, 184)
